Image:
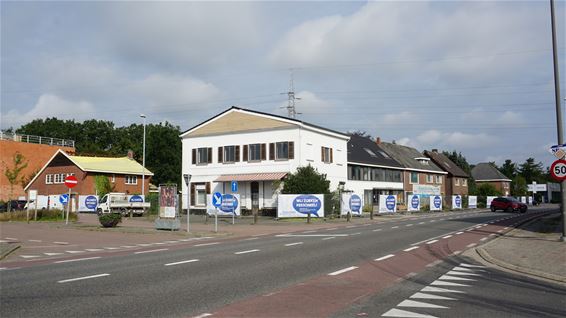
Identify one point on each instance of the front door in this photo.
(255, 194)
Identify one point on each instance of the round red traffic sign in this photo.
(558, 170)
(71, 181)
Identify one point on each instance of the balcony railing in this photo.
(37, 139)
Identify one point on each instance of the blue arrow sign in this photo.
(217, 199)
(234, 186)
(64, 198)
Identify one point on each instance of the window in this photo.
(465, 182)
(326, 154)
(370, 152)
(254, 153)
(113, 178)
(201, 197)
(429, 178)
(202, 156)
(49, 179)
(414, 177)
(228, 154)
(282, 150)
(131, 179)
(457, 181)
(438, 179)
(59, 178)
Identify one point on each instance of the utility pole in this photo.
(291, 111)
(558, 117)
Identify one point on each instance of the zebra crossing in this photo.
(440, 295)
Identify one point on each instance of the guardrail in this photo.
(37, 139)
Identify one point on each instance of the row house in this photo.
(257, 150)
(487, 173)
(456, 180)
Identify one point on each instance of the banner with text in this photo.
(435, 203)
(352, 203)
(472, 202)
(300, 205)
(413, 202)
(230, 205)
(167, 201)
(88, 203)
(456, 202)
(387, 203)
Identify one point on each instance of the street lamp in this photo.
(187, 178)
(143, 160)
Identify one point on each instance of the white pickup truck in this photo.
(115, 202)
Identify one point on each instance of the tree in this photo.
(487, 189)
(361, 133)
(306, 180)
(459, 160)
(518, 186)
(103, 185)
(532, 171)
(509, 169)
(164, 153)
(13, 175)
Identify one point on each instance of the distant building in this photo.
(124, 173)
(456, 180)
(36, 151)
(487, 173)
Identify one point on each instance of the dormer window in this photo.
(423, 160)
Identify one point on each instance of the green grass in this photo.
(51, 215)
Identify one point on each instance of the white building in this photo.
(257, 150)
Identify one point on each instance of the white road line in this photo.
(158, 243)
(152, 251)
(182, 262)
(246, 252)
(463, 269)
(458, 233)
(421, 222)
(357, 233)
(471, 266)
(432, 242)
(74, 252)
(203, 315)
(250, 239)
(440, 290)
(409, 224)
(432, 221)
(127, 246)
(30, 256)
(76, 260)
(394, 227)
(207, 244)
(458, 273)
(53, 254)
(483, 239)
(292, 244)
(343, 271)
(305, 232)
(444, 283)
(94, 249)
(332, 228)
(377, 230)
(448, 277)
(61, 243)
(309, 235)
(81, 278)
(112, 248)
(144, 245)
(329, 238)
(410, 248)
(430, 296)
(447, 236)
(403, 313)
(471, 245)
(35, 240)
(418, 304)
(11, 238)
(384, 257)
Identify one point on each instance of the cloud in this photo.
(47, 105)
(308, 104)
(455, 140)
(399, 118)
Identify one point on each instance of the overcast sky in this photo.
(475, 77)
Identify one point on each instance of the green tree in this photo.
(532, 171)
(361, 133)
(518, 186)
(306, 180)
(487, 189)
(509, 169)
(163, 153)
(14, 175)
(459, 160)
(103, 185)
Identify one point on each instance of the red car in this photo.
(507, 204)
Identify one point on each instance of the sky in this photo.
(475, 77)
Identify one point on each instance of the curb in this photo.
(8, 251)
(532, 272)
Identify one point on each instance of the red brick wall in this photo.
(453, 189)
(408, 186)
(36, 156)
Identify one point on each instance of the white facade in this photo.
(261, 129)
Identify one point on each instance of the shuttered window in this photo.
(254, 152)
(229, 154)
(263, 152)
(203, 155)
(283, 150)
(326, 154)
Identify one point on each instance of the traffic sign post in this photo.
(71, 182)
(558, 170)
(217, 202)
(234, 186)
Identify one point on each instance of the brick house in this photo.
(487, 173)
(36, 151)
(456, 180)
(124, 174)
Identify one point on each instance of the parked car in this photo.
(16, 205)
(507, 204)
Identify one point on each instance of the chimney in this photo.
(435, 150)
(378, 140)
(130, 155)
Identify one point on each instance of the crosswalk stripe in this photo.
(53, 254)
(463, 269)
(471, 266)
(441, 290)
(448, 277)
(444, 283)
(462, 273)
(430, 296)
(418, 304)
(403, 313)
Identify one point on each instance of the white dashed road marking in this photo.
(342, 271)
(151, 251)
(208, 244)
(182, 262)
(76, 260)
(410, 248)
(246, 252)
(292, 244)
(82, 278)
(384, 257)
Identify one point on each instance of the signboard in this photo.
(435, 203)
(64, 199)
(167, 201)
(530, 200)
(559, 151)
(524, 199)
(456, 202)
(234, 186)
(229, 204)
(300, 205)
(413, 202)
(387, 203)
(472, 201)
(558, 170)
(488, 201)
(88, 203)
(32, 194)
(537, 187)
(136, 198)
(426, 190)
(216, 199)
(71, 181)
(351, 202)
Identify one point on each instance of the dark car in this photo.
(15, 205)
(507, 204)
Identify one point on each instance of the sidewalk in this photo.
(534, 249)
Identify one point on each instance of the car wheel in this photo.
(493, 209)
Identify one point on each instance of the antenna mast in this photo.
(291, 111)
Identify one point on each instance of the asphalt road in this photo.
(200, 277)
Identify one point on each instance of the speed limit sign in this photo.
(558, 170)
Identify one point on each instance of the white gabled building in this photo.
(255, 149)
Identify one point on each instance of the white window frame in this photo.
(457, 181)
(113, 178)
(439, 179)
(465, 182)
(411, 178)
(429, 178)
(59, 178)
(49, 179)
(131, 179)
(200, 194)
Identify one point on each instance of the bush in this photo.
(110, 219)
(42, 215)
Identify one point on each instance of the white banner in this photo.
(351, 202)
(456, 202)
(472, 201)
(413, 202)
(88, 203)
(387, 203)
(524, 199)
(488, 201)
(435, 203)
(230, 205)
(426, 189)
(300, 205)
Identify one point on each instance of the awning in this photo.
(252, 177)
